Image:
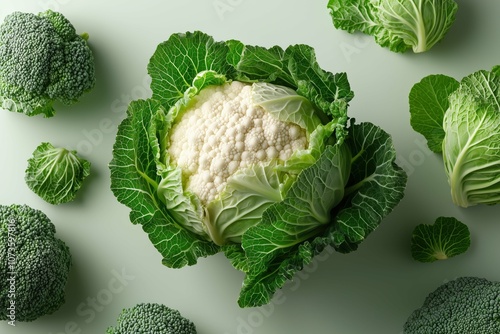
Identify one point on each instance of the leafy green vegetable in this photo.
(396, 24)
(448, 237)
(55, 173)
(34, 264)
(428, 104)
(42, 60)
(463, 118)
(249, 151)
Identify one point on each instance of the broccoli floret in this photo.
(467, 305)
(42, 60)
(34, 264)
(151, 318)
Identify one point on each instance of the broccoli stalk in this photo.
(34, 264)
(147, 318)
(42, 60)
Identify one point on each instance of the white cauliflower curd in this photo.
(224, 131)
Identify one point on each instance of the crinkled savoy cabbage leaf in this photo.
(396, 24)
(446, 238)
(471, 146)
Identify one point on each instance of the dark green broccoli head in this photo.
(42, 60)
(33, 262)
(151, 318)
(467, 305)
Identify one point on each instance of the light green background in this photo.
(372, 290)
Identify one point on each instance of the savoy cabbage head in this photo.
(56, 174)
(461, 120)
(399, 25)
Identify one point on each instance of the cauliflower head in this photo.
(224, 131)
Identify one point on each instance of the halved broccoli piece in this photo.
(34, 264)
(467, 305)
(151, 318)
(42, 60)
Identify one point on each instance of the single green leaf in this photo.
(428, 105)
(259, 287)
(376, 185)
(235, 52)
(496, 69)
(257, 63)
(248, 193)
(321, 87)
(448, 237)
(236, 255)
(179, 60)
(353, 15)
(184, 208)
